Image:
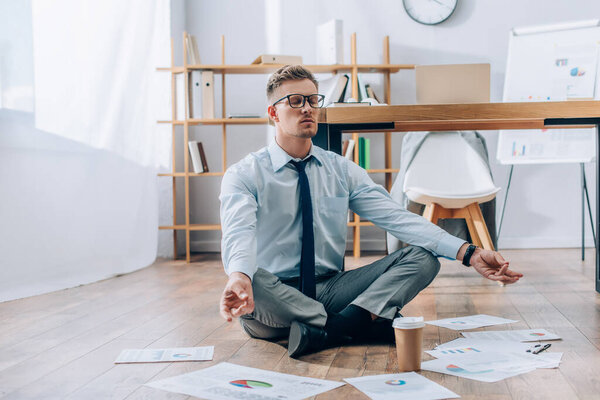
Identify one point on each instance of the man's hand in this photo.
(491, 265)
(237, 298)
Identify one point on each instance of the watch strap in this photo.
(468, 253)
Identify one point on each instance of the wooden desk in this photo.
(445, 117)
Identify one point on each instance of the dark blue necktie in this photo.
(307, 260)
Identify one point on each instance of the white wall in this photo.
(544, 204)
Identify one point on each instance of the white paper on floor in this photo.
(470, 322)
(450, 366)
(524, 335)
(464, 345)
(408, 385)
(553, 359)
(227, 381)
(488, 360)
(204, 353)
(499, 361)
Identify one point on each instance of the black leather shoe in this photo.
(306, 339)
(379, 331)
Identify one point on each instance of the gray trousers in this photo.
(382, 288)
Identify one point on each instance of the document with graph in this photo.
(165, 355)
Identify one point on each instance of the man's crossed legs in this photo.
(344, 303)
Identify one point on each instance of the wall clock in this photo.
(429, 12)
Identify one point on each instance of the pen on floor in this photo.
(545, 347)
(533, 348)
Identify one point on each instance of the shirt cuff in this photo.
(244, 269)
(449, 247)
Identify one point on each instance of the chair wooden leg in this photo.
(466, 215)
(432, 212)
(471, 214)
(480, 227)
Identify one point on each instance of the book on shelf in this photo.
(367, 154)
(192, 50)
(361, 152)
(330, 42)
(199, 163)
(371, 93)
(364, 152)
(345, 92)
(348, 149)
(203, 157)
(196, 52)
(208, 94)
(333, 88)
(277, 59)
(191, 47)
(195, 94)
(201, 94)
(179, 98)
(362, 91)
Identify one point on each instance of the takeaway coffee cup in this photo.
(409, 342)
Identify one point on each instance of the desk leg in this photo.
(597, 207)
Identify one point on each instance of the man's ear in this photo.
(272, 113)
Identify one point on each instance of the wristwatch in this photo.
(467, 257)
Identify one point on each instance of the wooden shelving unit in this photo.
(353, 69)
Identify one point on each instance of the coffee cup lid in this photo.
(408, 323)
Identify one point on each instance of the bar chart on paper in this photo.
(546, 146)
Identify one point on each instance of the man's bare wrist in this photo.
(239, 275)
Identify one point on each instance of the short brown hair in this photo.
(288, 73)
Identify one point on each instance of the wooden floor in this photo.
(63, 344)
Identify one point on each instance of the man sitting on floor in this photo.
(283, 215)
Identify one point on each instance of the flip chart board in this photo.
(551, 63)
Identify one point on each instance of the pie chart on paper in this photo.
(396, 382)
(247, 384)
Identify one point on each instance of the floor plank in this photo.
(63, 344)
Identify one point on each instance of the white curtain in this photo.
(95, 74)
(78, 174)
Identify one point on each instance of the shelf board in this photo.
(172, 227)
(204, 227)
(206, 174)
(361, 223)
(219, 121)
(270, 68)
(382, 171)
(192, 174)
(230, 121)
(192, 227)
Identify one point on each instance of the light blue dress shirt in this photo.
(262, 224)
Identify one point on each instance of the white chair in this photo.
(451, 179)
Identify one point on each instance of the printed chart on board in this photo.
(551, 63)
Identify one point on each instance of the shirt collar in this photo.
(279, 158)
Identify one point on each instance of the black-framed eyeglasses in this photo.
(298, 100)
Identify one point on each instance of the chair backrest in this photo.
(446, 164)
